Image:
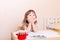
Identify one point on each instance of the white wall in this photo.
(12, 12)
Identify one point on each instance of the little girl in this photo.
(29, 22)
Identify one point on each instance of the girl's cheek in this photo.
(34, 17)
(29, 18)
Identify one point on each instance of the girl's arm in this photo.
(29, 27)
(34, 27)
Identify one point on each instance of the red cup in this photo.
(22, 36)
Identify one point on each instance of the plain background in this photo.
(12, 13)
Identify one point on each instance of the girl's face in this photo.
(31, 17)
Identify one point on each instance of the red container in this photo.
(22, 36)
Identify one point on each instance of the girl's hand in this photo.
(33, 20)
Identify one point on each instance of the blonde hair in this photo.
(25, 21)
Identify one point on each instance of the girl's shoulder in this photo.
(21, 27)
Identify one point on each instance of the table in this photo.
(55, 38)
